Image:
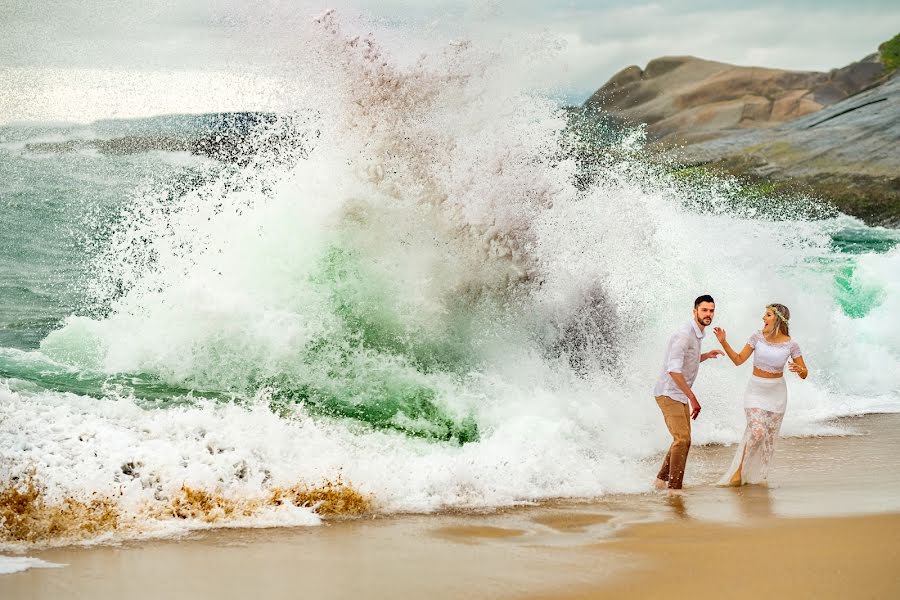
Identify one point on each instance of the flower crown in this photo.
(778, 312)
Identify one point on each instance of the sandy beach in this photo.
(826, 527)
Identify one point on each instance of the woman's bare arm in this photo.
(737, 359)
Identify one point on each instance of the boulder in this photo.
(831, 135)
(845, 153)
(683, 99)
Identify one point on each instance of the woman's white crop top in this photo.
(771, 357)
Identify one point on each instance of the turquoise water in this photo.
(57, 208)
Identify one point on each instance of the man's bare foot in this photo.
(674, 492)
(660, 484)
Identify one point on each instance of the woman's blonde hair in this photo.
(782, 316)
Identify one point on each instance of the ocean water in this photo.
(406, 284)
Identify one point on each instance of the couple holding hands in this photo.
(764, 401)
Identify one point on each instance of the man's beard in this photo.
(705, 321)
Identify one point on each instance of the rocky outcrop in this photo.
(683, 99)
(846, 153)
(833, 136)
(228, 137)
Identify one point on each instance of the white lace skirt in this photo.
(764, 404)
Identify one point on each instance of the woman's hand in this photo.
(799, 368)
(737, 359)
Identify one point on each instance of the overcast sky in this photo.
(55, 55)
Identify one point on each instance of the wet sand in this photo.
(850, 557)
(827, 527)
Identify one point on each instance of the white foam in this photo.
(17, 564)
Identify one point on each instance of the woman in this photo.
(766, 395)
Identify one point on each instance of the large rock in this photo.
(831, 135)
(846, 153)
(683, 99)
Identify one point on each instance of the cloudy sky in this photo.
(92, 58)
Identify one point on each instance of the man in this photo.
(673, 391)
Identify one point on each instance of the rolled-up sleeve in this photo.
(675, 359)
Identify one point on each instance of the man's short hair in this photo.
(703, 298)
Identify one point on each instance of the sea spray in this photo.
(428, 295)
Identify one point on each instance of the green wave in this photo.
(376, 368)
(855, 297)
(373, 366)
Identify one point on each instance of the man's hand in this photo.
(711, 354)
(695, 408)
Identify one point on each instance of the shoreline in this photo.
(827, 526)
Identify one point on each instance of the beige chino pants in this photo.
(678, 420)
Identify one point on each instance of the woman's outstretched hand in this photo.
(720, 334)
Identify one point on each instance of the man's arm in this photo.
(710, 354)
(679, 380)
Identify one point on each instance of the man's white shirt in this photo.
(682, 356)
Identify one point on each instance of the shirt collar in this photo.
(700, 334)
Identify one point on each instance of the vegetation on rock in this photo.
(890, 53)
